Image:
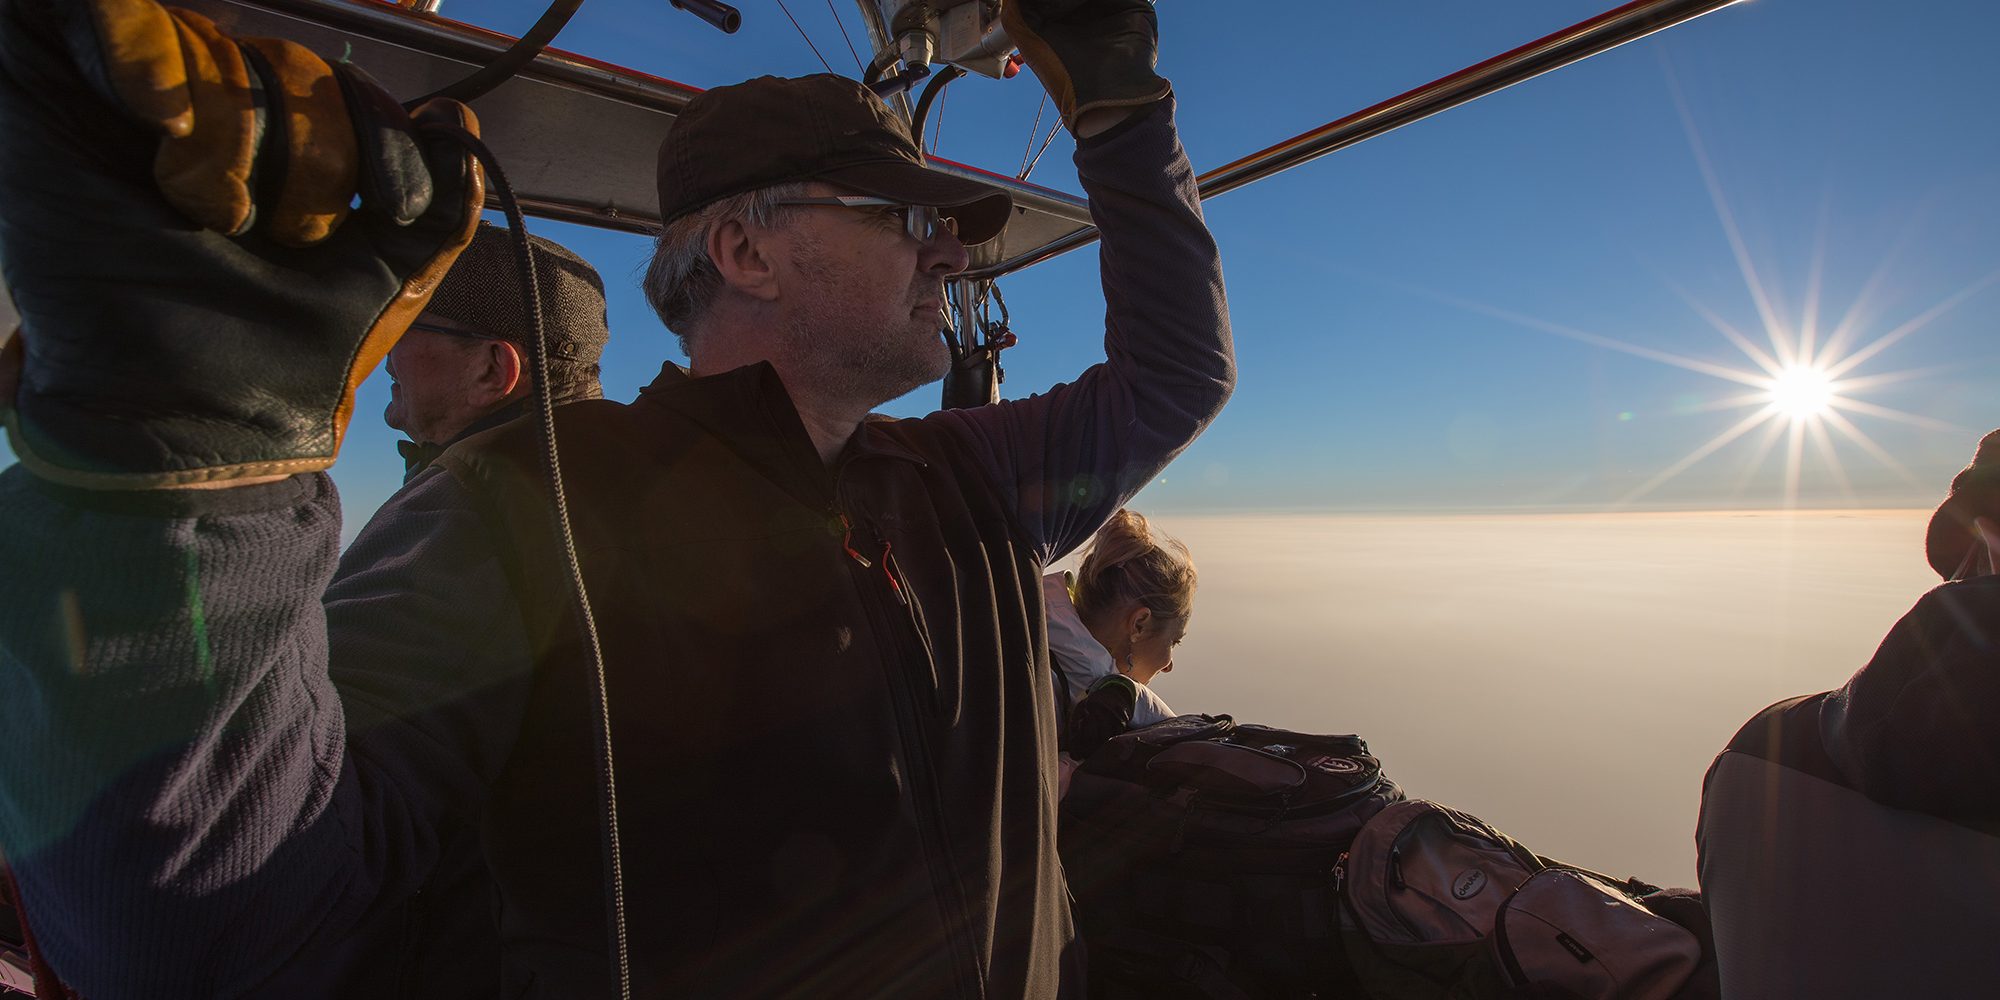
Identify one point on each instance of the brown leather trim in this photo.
(1040, 58)
(79, 479)
(418, 288)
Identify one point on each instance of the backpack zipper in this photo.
(1510, 966)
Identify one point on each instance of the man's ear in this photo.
(502, 370)
(743, 255)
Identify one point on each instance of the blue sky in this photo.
(1393, 303)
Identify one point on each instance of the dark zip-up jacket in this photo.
(418, 456)
(214, 784)
(1849, 841)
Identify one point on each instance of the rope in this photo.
(538, 356)
(506, 64)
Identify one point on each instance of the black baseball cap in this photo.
(774, 130)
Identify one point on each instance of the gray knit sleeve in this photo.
(199, 778)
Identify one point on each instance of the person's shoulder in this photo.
(1973, 603)
(933, 437)
(579, 425)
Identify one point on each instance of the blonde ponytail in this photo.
(1127, 564)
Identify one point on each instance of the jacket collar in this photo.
(751, 412)
(418, 457)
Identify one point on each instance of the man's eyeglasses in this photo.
(922, 223)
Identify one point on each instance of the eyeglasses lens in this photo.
(924, 222)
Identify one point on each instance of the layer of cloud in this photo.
(1567, 677)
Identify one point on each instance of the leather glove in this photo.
(1103, 712)
(1089, 54)
(196, 305)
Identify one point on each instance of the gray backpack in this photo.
(1438, 904)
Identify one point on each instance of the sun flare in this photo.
(1802, 392)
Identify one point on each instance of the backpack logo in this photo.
(1468, 883)
(1336, 765)
(1574, 947)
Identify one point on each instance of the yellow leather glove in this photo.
(155, 353)
(174, 71)
(1091, 55)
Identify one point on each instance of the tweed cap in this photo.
(774, 130)
(482, 291)
(1975, 492)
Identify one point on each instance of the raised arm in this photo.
(184, 798)
(1071, 456)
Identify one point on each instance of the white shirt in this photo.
(1082, 660)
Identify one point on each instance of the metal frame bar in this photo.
(1572, 44)
(423, 31)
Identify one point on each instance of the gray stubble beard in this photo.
(838, 354)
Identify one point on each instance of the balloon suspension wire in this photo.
(802, 34)
(538, 356)
(1030, 168)
(842, 25)
(1033, 128)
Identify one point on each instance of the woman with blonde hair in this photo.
(1120, 615)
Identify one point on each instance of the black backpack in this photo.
(1201, 855)
(1436, 904)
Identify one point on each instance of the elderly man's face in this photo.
(434, 393)
(872, 299)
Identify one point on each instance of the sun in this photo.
(1801, 384)
(1802, 392)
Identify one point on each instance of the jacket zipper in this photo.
(893, 574)
(910, 733)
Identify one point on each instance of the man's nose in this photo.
(943, 255)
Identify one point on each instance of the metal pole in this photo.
(1572, 44)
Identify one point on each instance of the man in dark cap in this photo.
(823, 690)
(1849, 841)
(462, 367)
